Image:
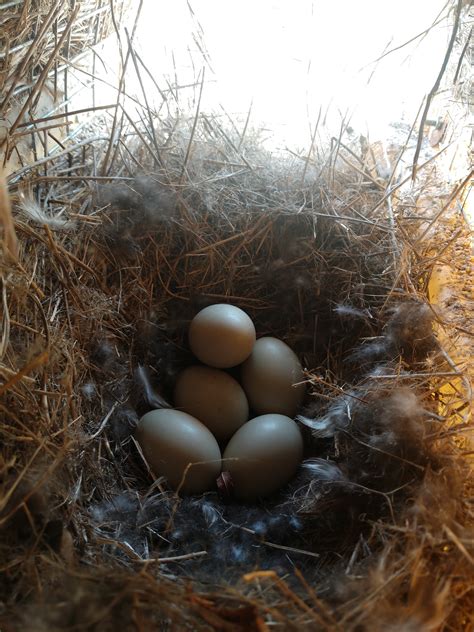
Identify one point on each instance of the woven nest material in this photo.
(31, 30)
(96, 308)
(110, 247)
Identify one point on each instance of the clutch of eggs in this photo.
(262, 454)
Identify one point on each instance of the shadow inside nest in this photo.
(323, 290)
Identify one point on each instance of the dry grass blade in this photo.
(20, 72)
(10, 244)
(43, 75)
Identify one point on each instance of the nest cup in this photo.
(321, 284)
(326, 282)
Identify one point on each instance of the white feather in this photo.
(32, 209)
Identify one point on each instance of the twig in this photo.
(435, 87)
(175, 558)
(461, 56)
(311, 146)
(62, 115)
(193, 131)
(106, 161)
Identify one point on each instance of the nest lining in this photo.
(307, 518)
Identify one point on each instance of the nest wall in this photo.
(100, 334)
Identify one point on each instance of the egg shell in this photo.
(263, 455)
(268, 376)
(221, 336)
(213, 397)
(170, 441)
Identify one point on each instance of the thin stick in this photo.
(105, 164)
(64, 115)
(437, 21)
(461, 57)
(148, 110)
(38, 361)
(452, 197)
(435, 87)
(175, 558)
(244, 131)
(310, 151)
(193, 131)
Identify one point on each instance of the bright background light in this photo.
(290, 58)
(369, 64)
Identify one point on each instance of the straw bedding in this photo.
(96, 300)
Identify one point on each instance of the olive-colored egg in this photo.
(269, 375)
(213, 397)
(263, 455)
(172, 440)
(221, 336)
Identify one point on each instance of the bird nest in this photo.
(101, 277)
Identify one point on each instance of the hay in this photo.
(117, 252)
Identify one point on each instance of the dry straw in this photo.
(115, 242)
